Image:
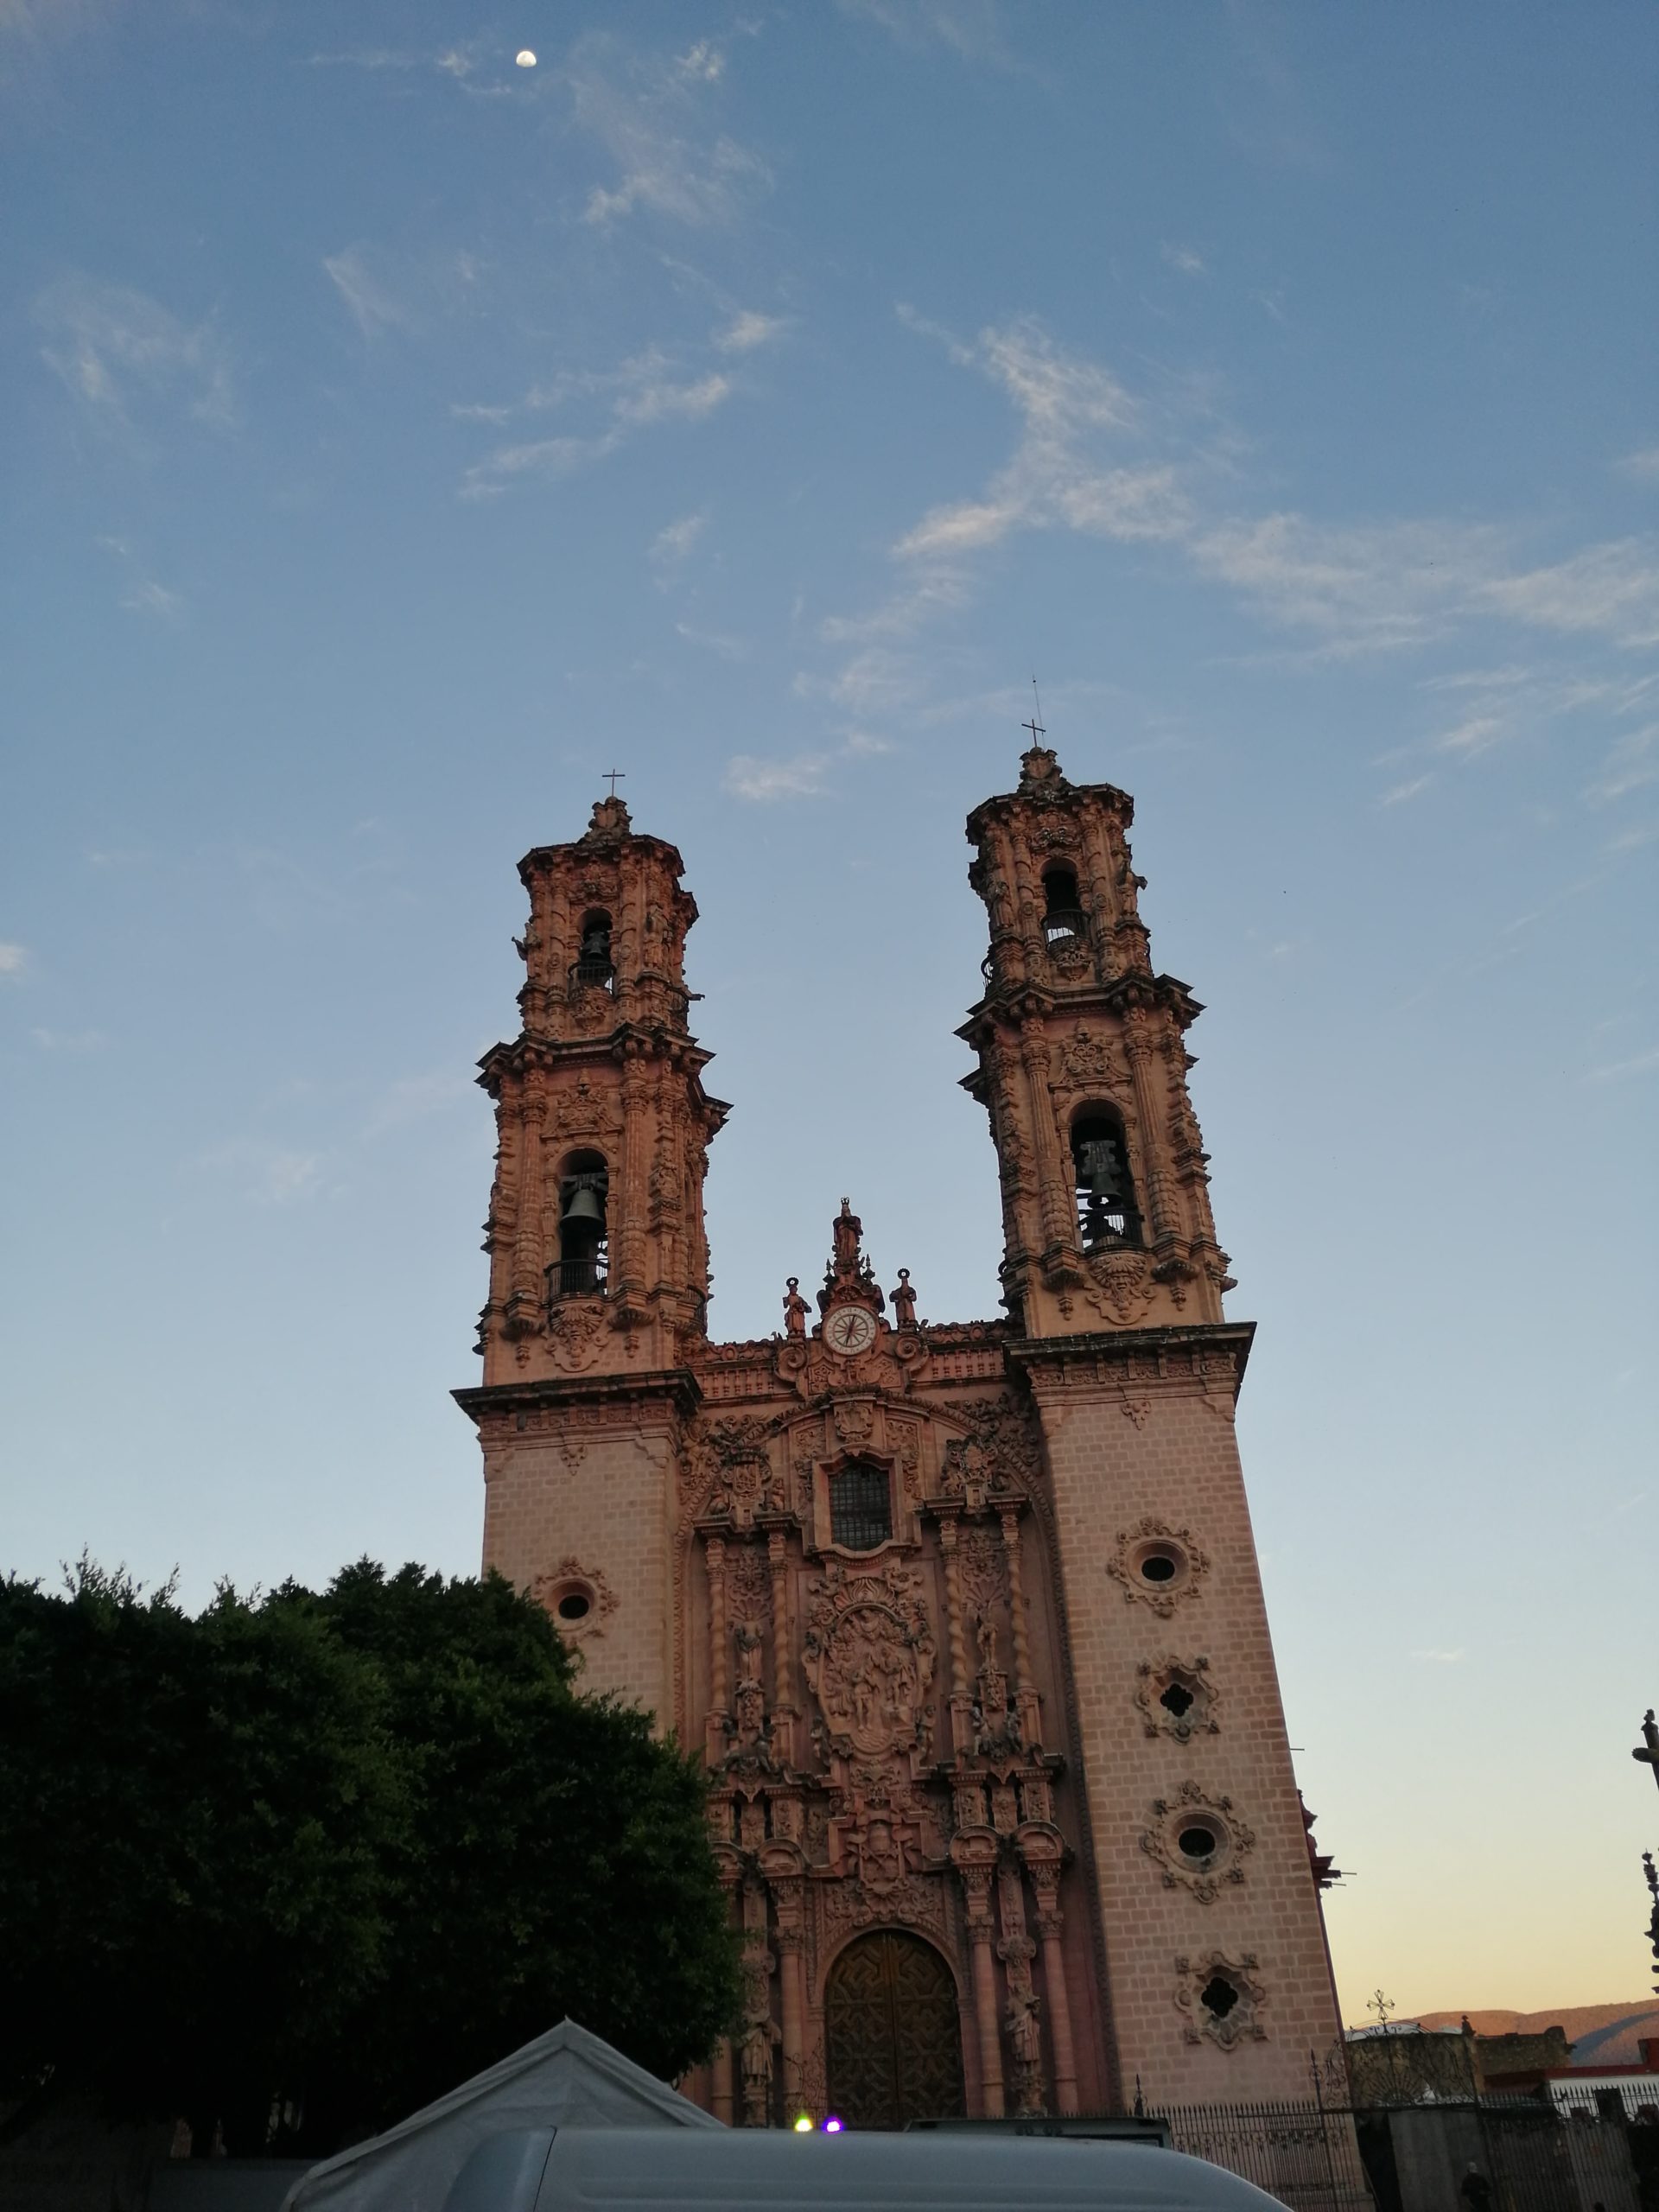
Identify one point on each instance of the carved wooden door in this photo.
(893, 2033)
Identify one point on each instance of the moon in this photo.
(525, 58)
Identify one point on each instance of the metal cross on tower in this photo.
(613, 777)
(1035, 724)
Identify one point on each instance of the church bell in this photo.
(584, 1205)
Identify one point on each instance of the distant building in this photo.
(964, 1617)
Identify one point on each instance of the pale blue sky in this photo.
(752, 398)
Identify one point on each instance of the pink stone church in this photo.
(965, 1618)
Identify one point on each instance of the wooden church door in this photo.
(893, 2033)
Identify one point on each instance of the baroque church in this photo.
(965, 1617)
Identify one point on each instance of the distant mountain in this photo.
(1601, 2035)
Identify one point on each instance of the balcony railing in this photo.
(577, 1278)
(594, 974)
(1064, 922)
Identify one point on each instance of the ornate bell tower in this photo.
(599, 1262)
(1082, 1067)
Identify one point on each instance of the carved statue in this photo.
(985, 1636)
(795, 1309)
(848, 1230)
(1025, 2038)
(904, 1301)
(748, 1652)
(757, 2061)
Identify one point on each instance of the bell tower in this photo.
(1083, 1069)
(595, 1230)
(599, 1259)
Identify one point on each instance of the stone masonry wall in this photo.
(1162, 1460)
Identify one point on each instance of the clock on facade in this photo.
(849, 1332)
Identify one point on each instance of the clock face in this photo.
(850, 1331)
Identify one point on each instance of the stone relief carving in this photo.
(575, 1333)
(1219, 1997)
(869, 1655)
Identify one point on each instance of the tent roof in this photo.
(565, 2078)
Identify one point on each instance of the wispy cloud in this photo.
(1619, 1071)
(112, 347)
(1442, 1658)
(69, 1040)
(140, 593)
(1057, 478)
(268, 1175)
(1401, 792)
(1184, 258)
(476, 65)
(1631, 763)
(749, 329)
(14, 961)
(371, 306)
(969, 28)
(1642, 465)
(650, 112)
(671, 547)
(713, 641)
(648, 390)
(766, 781)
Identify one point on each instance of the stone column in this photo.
(982, 1935)
(1026, 1703)
(529, 1289)
(1151, 1115)
(1053, 1174)
(791, 1945)
(1045, 1881)
(719, 2094)
(715, 1731)
(961, 1694)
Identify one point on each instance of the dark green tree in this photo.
(326, 1855)
(557, 1861)
(197, 1816)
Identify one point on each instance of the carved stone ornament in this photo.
(1158, 1566)
(869, 1655)
(728, 1470)
(1122, 1286)
(575, 1332)
(1176, 1698)
(1084, 1058)
(570, 1580)
(1220, 1998)
(1173, 1842)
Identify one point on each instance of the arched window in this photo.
(594, 963)
(861, 1506)
(1107, 1214)
(584, 1186)
(1063, 915)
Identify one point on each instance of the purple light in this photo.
(832, 2125)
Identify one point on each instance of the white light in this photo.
(525, 58)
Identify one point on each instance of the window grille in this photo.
(861, 1507)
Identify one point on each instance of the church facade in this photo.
(965, 1618)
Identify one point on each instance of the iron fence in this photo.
(1304, 2153)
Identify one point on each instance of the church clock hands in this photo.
(849, 1332)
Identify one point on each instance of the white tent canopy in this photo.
(566, 2078)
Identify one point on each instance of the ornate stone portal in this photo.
(915, 1588)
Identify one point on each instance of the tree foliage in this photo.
(329, 1853)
